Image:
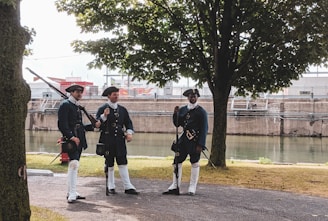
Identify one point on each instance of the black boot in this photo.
(110, 191)
(131, 191)
(172, 192)
(78, 197)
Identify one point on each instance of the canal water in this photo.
(277, 149)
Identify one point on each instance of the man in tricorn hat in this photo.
(193, 119)
(116, 128)
(72, 129)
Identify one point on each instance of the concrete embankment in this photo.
(273, 117)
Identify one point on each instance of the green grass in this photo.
(42, 214)
(264, 160)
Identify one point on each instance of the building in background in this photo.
(311, 84)
(40, 89)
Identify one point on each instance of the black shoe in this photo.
(71, 201)
(110, 191)
(191, 194)
(80, 198)
(172, 192)
(131, 191)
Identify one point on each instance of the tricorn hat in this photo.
(109, 90)
(191, 91)
(74, 87)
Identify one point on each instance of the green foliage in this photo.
(8, 2)
(257, 46)
(264, 160)
(28, 51)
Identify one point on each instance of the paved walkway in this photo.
(212, 202)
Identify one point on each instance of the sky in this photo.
(52, 54)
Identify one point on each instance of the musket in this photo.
(208, 159)
(89, 116)
(176, 169)
(106, 173)
(55, 158)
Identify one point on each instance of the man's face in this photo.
(77, 94)
(113, 97)
(192, 98)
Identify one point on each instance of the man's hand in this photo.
(199, 148)
(76, 140)
(106, 111)
(128, 137)
(98, 124)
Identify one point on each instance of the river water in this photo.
(277, 149)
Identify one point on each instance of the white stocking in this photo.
(174, 183)
(124, 173)
(193, 177)
(111, 178)
(73, 167)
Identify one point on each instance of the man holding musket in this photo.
(73, 131)
(116, 128)
(193, 119)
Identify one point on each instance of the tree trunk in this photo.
(218, 150)
(14, 96)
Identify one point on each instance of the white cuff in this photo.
(129, 131)
(103, 117)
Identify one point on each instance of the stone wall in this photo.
(273, 117)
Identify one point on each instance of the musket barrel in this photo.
(50, 85)
(89, 116)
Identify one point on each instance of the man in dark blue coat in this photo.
(193, 119)
(116, 128)
(72, 129)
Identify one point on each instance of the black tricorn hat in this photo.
(191, 91)
(74, 87)
(109, 90)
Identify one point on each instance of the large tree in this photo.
(14, 96)
(253, 45)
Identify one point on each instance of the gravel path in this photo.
(212, 202)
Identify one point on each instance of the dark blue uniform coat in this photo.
(70, 123)
(195, 121)
(113, 129)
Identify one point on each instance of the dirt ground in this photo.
(211, 202)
